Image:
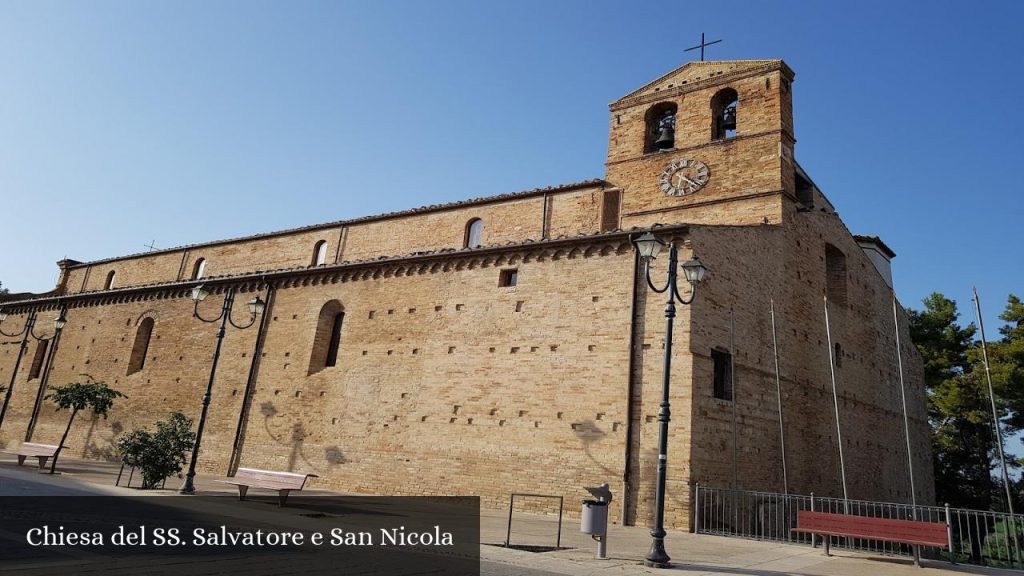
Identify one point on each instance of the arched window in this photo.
(109, 282)
(320, 253)
(723, 114)
(327, 338)
(199, 269)
(660, 133)
(474, 233)
(143, 333)
(38, 359)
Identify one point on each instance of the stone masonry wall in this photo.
(446, 383)
(870, 408)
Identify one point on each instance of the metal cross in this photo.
(151, 245)
(702, 45)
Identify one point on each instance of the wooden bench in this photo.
(283, 482)
(41, 451)
(909, 532)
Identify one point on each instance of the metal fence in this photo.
(976, 537)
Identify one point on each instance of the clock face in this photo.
(684, 177)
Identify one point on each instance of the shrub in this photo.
(158, 454)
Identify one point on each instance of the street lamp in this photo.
(649, 246)
(256, 306)
(58, 323)
(27, 330)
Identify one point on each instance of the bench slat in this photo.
(866, 528)
(283, 482)
(269, 479)
(936, 543)
(30, 449)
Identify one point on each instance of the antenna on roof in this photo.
(151, 245)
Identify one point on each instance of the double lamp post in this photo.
(648, 247)
(27, 330)
(256, 307)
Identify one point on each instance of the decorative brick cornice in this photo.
(711, 144)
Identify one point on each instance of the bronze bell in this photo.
(666, 138)
(729, 117)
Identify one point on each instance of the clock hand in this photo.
(692, 183)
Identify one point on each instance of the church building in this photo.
(511, 343)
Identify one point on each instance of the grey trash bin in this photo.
(594, 518)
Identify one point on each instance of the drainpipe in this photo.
(44, 380)
(250, 383)
(634, 348)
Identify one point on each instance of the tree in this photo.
(960, 413)
(158, 454)
(962, 440)
(2, 289)
(80, 396)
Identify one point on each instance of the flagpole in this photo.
(778, 389)
(903, 392)
(835, 400)
(992, 398)
(732, 387)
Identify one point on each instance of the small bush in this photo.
(158, 454)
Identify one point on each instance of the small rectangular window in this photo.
(723, 374)
(508, 277)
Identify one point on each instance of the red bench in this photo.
(909, 532)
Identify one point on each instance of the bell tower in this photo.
(708, 143)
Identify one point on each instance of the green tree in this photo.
(962, 440)
(158, 454)
(79, 396)
(960, 413)
(2, 289)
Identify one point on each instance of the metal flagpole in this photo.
(732, 387)
(778, 389)
(903, 392)
(992, 397)
(835, 400)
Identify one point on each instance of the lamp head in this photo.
(3, 315)
(199, 293)
(648, 245)
(256, 306)
(60, 321)
(694, 270)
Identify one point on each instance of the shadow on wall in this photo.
(105, 449)
(588, 433)
(295, 440)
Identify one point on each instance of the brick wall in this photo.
(447, 383)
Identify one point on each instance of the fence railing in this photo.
(978, 537)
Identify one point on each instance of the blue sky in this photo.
(127, 122)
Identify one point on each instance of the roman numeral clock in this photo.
(684, 177)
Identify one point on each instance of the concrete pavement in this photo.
(693, 554)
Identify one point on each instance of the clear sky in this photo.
(122, 123)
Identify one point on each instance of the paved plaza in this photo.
(692, 554)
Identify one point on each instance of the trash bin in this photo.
(594, 518)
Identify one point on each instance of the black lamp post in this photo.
(649, 245)
(255, 308)
(27, 330)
